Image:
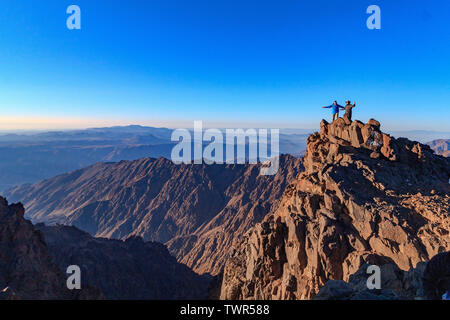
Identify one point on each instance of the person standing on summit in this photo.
(335, 107)
(348, 109)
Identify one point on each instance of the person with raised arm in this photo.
(348, 110)
(335, 107)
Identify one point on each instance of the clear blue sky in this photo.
(255, 63)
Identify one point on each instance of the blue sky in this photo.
(228, 63)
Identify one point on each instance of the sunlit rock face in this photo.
(364, 197)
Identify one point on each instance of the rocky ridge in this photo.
(396, 284)
(364, 197)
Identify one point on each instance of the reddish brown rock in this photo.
(345, 208)
(375, 155)
(428, 281)
(388, 149)
(374, 123)
(396, 284)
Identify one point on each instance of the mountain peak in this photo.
(359, 135)
(402, 164)
(364, 197)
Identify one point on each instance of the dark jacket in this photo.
(348, 110)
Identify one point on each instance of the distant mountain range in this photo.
(28, 158)
(422, 136)
(31, 157)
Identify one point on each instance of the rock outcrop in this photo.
(130, 269)
(197, 210)
(428, 281)
(396, 284)
(363, 196)
(26, 268)
(440, 147)
(436, 276)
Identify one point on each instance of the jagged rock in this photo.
(341, 290)
(375, 155)
(26, 268)
(427, 281)
(436, 277)
(345, 209)
(335, 290)
(358, 135)
(374, 123)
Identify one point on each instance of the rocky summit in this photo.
(364, 198)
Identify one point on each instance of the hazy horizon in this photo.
(417, 135)
(33, 124)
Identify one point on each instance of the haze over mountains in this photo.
(31, 157)
(28, 158)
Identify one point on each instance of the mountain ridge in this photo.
(198, 210)
(364, 197)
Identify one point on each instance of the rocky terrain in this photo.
(428, 281)
(130, 269)
(26, 268)
(364, 197)
(396, 284)
(441, 147)
(198, 210)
